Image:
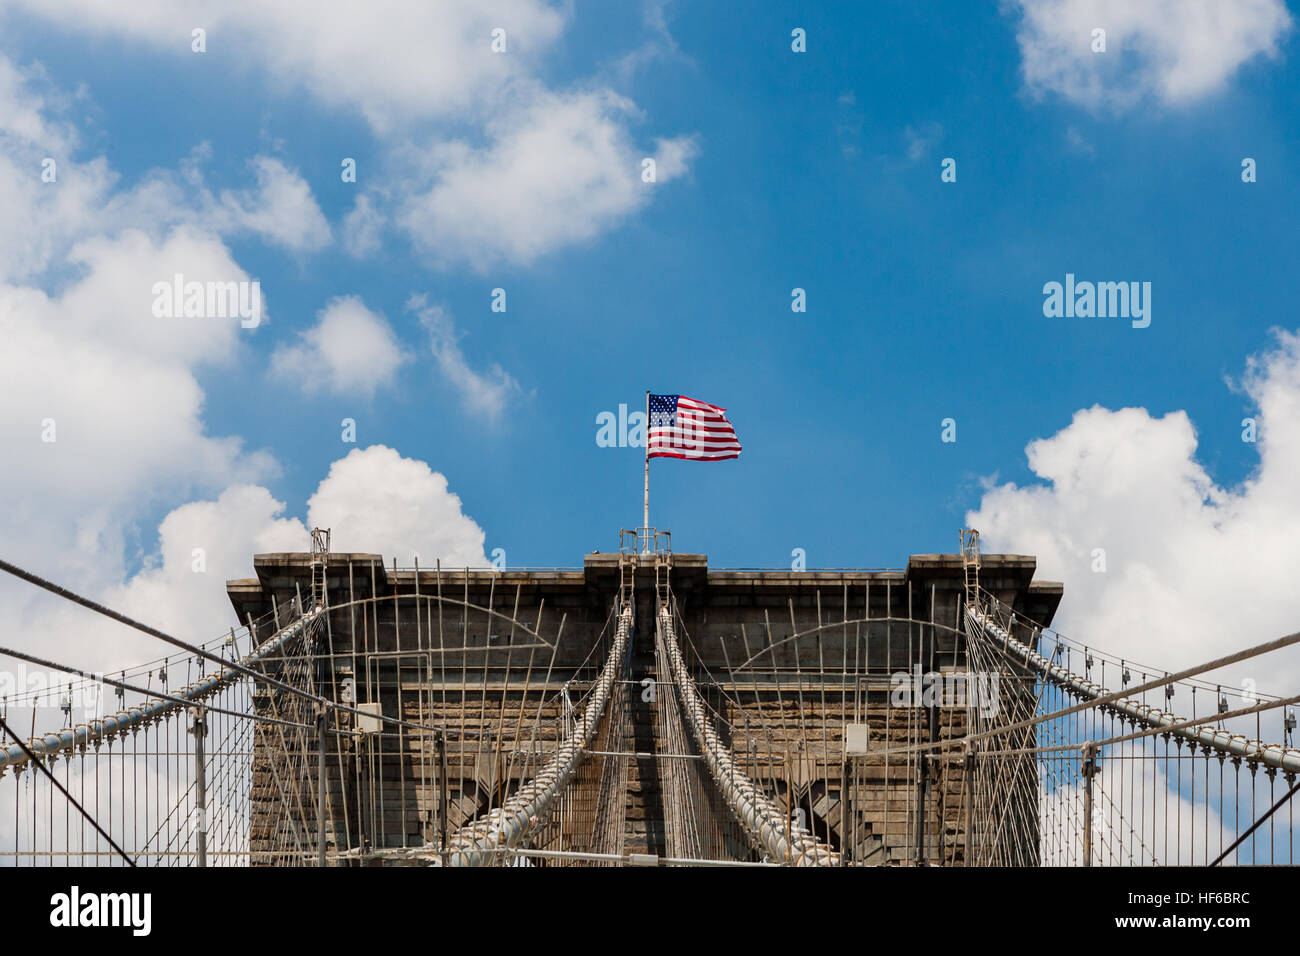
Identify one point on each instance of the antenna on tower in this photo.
(969, 540)
(320, 555)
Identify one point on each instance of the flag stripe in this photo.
(692, 436)
(673, 454)
(696, 403)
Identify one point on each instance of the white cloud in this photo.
(92, 368)
(26, 113)
(486, 394)
(121, 386)
(1193, 570)
(85, 199)
(673, 157)
(43, 218)
(184, 594)
(349, 350)
(549, 170)
(117, 385)
(352, 350)
(281, 209)
(118, 382)
(390, 59)
(116, 389)
(362, 228)
(557, 171)
(376, 500)
(373, 500)
(1174, 51)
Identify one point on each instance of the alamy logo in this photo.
(622, 430)
(977, 689)
(75, 909)
(179, 299)
(81, 701)
(1102, 300)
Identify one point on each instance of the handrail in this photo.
(51, 745)
(478, 843)
(773, 829)
(1276, 756)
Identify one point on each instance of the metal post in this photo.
(1089, 770)
(321, 737)
(970, 798)
(929, 759)
(441, 738)
(922, 763)
(844, 810)
(645, 517)
(857, 840)
(789, 806)
(200, 731)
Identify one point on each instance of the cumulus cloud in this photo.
(362, 228)
(483, 393)
(376, 500)
(557, 171)
(83, 197)
(181, 589)
(1193, 570)
(550, 170)
(102, 421)
(281, 209)
(1171, 51)
(373, 500)
(350, 350)
(116, 383)
(115, 388)
(390, 59)
(101, 410)
(44, 218)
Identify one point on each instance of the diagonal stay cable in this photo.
(108, 612)
(1258, 823)
(32, 758)
(1113, 696)
(1273, 755)
(236, 666)
(1103, 699)
(1213, 718)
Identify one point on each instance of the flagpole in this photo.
(646, 513)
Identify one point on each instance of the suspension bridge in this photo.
(643, 710)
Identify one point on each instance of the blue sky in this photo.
(1115, 454)
(818, 170)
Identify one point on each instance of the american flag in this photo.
(682, 427)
